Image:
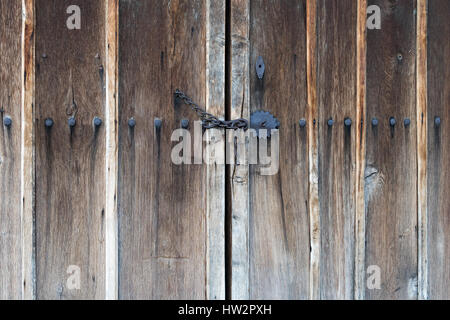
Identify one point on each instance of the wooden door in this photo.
(92, 205)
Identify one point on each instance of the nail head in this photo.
(375, 122)
(158, 123)
(131, 122)
(302, 123)
(72, 122)
(348, 122)
(437, 121)
(392, 121)
(7, 121)
(97, 121)
(407, 122)
(330, 122)
(185, 123)
(49, 122)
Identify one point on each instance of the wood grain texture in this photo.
(215, 173)
(313, 149)
(279, 232)
(391, 152)
(10, 150)
(336, 45)
(28, 153)
(112, 149)
(70, 175)
(438, 149)
(361, 122)
(163, 208)
(238, 177)
(422, 147)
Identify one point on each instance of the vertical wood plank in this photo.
(279, 235)
(215, 180)
(169, 222)
(337, 78)
(10, 150)
(70, 180)
(28, 153)
(238, 176)
(438, 149)
(361, 122)
(391, 161)
(422, 148)
(112, 156)
(313, 149)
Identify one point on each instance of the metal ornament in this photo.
(260, 67)
(263, 120)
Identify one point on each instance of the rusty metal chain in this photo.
(210, 121)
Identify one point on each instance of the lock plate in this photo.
(263, 120)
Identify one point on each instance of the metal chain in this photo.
(210, 121)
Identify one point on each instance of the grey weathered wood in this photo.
(10, 150)
(391, 153)
(169, 215)
(279, 232)
(438, 149)
(238, 174)
(70, 175)
(336, 45)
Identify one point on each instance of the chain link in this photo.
(210, 121)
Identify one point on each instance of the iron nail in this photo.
(330, 122)
(399, 57)
(302, 123)
(7, 121)
(185, 123)
(407, 122)
(437, 121)
(49, 122)
(375, 122)
(348, 122)
(158, 123)
(97, 122)
(44, 55)
(72, 122)
(131, 122)
(392, 121)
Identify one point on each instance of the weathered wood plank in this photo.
(313, 149)
(361, 122)
(10, 150)
(70, 180)
(28, 153)
(391, 152)
(165, 247)
(238, 175)
(422, 148)
(337, 78)
(279, 235)
(112, 152)
(438, 149)
(215, 173)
